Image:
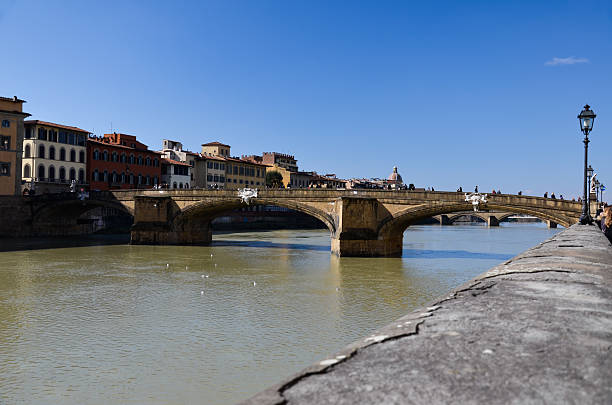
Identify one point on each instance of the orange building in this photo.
(11, 144)
(119, 161)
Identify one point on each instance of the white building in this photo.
(175, 174)
(53, 156)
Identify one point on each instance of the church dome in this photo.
(395, 176)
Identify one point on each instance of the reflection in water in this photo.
(185, 324)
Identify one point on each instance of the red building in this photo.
(119, 161)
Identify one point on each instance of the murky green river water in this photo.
(120, 324)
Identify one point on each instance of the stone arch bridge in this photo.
(361, 222)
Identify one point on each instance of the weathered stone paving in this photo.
(535, 329)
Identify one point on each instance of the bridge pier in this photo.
(153, 225)
(444, 220)
(492, 221)
(551, 224)
(357, 233)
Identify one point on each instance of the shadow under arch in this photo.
(453, 218)
(61, 217)
(398, 223)
(203, 212)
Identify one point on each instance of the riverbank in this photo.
(536, 328)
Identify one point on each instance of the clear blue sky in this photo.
(453, 93)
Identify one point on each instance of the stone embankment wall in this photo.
(535, 329)
(15, 217)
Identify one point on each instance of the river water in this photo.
(121, 324)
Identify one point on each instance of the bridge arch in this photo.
(206, 211)
(398, 223)
(60, 217)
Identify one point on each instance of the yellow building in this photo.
(216, 149)
(239, 173)
(11, 144)
(293, 179)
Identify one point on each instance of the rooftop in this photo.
(51, 124)
(215, 144)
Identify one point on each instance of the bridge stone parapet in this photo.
(534, 329)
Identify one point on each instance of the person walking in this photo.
(476, 189)
(546, 194)
(606, 222)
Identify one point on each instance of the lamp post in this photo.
(586, 119)
(589, 177)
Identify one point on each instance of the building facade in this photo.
(175, 174)
(216, 149)
(54, 157)
(12, 131)
(173, 150)
(119, 161)
(280, 159)
(242, 173)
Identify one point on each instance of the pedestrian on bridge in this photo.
(606, 222)
(546, 194)
(476, 189)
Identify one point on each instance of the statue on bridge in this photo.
(246, 194)
(476, 199)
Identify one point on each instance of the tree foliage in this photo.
(274, 179)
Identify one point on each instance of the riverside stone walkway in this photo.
(535, 329)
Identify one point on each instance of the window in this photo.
(257, 172)
(105, 156)
(51, 173)
(235, 170)
(114, 157)
(52, 152)
(95, 176)
(242, 171)
(123, 158)
(114, 177)
(148, 161)
(155, 162)
(140, 160)
(240, 181)
(41, 172)
(81, 140)
(27, 152)
(222, 179)
(62, 155)
(26, 171)
(81, 176)
(222, 166)
(209, 165)
(82, 156)
(72, 155)
(72, 174)
(131, 159)
(96, 154)
(131, 178)
(148, 180)
(139, 179)
(42, 134)
(216, 166)
(209, 177)
(62, 174)
(186, 185)
(180, 185)
(229, 180)
(71, 138)
(62, 137)
(41, 151)
(123, 177)
(28, 133)
(52, 135)
(5, 168)
(105, 176)
(174, 185)
(216, 178)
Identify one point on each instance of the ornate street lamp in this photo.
(586, 119)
